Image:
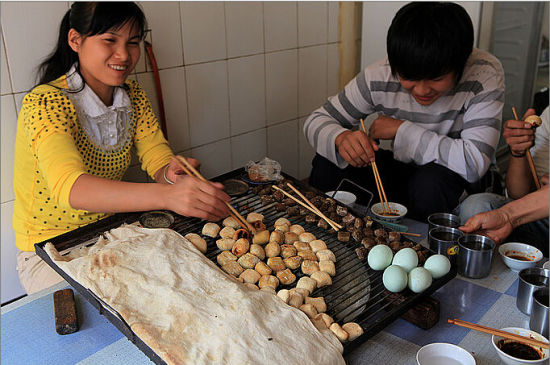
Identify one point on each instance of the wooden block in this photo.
(66, 320)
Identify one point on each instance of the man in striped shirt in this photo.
(438, 100)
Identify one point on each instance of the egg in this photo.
(406, 258)
(394, 278)
(420, 279)
(380, 257)
(437, 265)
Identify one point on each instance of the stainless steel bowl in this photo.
(443, 220)
(475, 254)
(538, 320)
(530, 280)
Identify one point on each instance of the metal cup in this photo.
(538, 321)
(444, 241)
(530, 280)
(443, 220)
(475, 253)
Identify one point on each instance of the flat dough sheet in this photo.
(188, 310)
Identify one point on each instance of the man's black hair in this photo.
(429, 39)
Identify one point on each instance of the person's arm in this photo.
(499, 223)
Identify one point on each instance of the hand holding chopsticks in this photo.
(500, 333)
(529, 157)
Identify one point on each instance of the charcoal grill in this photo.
(357, 293)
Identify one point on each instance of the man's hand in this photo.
(544, 180)
(384, 127)
(494, 224)
(356, 148)
(519, 135)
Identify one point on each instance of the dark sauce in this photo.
(390, 214)
(537, 280)
(519, 350)
(444, 222)
(519, 257)
(445, 236)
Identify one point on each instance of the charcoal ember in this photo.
(350, 218)
(358, 223)
(341, 211)
(311, 218)
(395, 245)
(317, 201)
(304, 211)
(292, 211)
(417, 247)
(368, 242)
(322, 224)
(380, 232)
(277, 195)
(266, 199)
(361, 252)
(343, 236)
(289, 202)
(394, 236)
(357, 235)
(381, 241)
(310, 195)
(280, 207)
(257, 189)
(266, 190)
(368, 232)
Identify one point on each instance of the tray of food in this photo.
(336, 278)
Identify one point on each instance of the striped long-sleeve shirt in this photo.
(460, 130)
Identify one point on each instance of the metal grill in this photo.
(357, 293)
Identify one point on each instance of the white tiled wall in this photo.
(238, 80)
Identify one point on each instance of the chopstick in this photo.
(333, 224)
(500, 333)
(191, 171)
(379, 187)
(529, 157)
(410, 234)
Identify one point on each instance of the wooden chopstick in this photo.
(500, 333)
(529, 157)
(410, 234)
(333, 224)
(191, 171)
(319, 213)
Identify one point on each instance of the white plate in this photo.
(344, 197)
(444, 354)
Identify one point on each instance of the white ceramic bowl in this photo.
(344, 197)
(531, 253)
(443, 353)
(378, 212)
(510, 360)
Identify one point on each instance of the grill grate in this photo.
(356, 294)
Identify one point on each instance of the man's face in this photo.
(426, 92)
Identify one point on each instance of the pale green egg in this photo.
(394, 278)
(420, 279)
(437, 265)
(406, 258)
(380, 257)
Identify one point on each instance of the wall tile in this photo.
(18, 101)
(281, 25)
(147, 83)
(175, 106)
(143, 62)
(305, 152)
(282, 145)
(164, 20)
(333, 67)
(203, 31)
(281, 86)
(26, 49)
(11, 287)
(333, 13)
(208, 102)
(245, 29)
(215, 158)
(5, 76)
(312, 23)
(8, 130)
(248, 147)
(246, 93)
(312, 80)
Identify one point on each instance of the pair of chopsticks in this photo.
(191, 171)
(381, 193)
(529, 157)
(500, 333)
(308, 205)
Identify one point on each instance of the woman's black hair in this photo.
(88, 19)
(429, 39)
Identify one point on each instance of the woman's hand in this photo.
(174, 170)
(384, 127)
(519, 135)
(192, 197)
(494, 224)
(356, 148)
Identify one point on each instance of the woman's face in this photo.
(107, 59)
(426, 92)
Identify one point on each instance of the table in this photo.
(29, 337)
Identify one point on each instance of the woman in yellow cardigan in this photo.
(75, 133)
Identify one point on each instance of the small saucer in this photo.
(156, 219)
(234, 187)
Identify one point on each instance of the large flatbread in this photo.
(188, 310)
